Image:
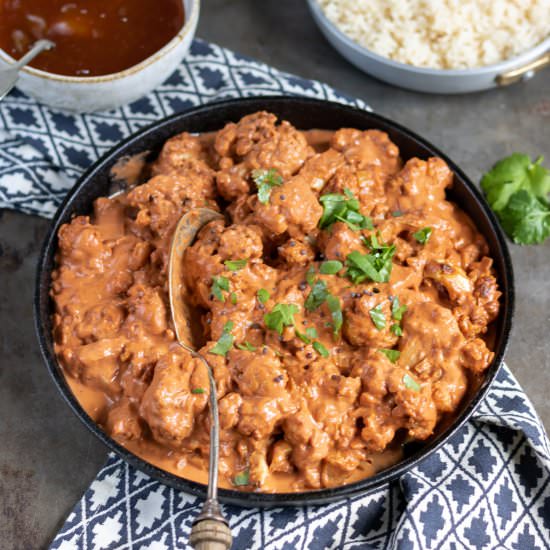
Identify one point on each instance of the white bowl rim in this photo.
(505, 64)
(189, 24)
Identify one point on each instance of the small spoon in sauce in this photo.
(210, 529)
(10, 75)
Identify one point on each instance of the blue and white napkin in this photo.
(489, 487)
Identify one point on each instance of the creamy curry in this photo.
(343, 304)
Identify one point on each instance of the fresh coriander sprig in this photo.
(517, 189)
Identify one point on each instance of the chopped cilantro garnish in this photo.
(343, 208)
(310, 333)
(263, 295)
(310, 275)
(330, 267)
(335, 309)
(378, 317)
(320, 349)
(317, 296)
(246, 346)
(265, 181)
(517, 190)
(198, 390)
(224, 344)
(242, 478)
(396, 329)
(235, 265)
(376, 266)
(282, 315)
(219, 284)
(233, 298)
(411, 383)
(391, 354)
(397, 213)
(397, 310)
(423, 235)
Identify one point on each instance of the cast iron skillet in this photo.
(304, 114)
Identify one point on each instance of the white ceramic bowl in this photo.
(440, 81)
(97, 93)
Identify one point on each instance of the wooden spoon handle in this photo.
(210, 534)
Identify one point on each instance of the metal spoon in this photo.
(210, 529)
(10, 75)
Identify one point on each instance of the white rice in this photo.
(443, 34)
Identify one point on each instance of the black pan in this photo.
(304, 114)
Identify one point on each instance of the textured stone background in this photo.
(47, 458)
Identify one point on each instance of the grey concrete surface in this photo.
(47, 458)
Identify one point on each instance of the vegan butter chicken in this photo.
(343, 305)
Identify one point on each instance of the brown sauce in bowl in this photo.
(332, 342)
(93, 37)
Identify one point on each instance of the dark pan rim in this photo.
(321, 496)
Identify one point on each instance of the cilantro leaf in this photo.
(265, 180)
(235, 265)
(375, 266)
(219, 284)
(511, 174)
(526, 218)
(391, 354)
(423, 235)
(397, 213)
(263, 295)
(333, 303)
(233, 298)
(411, 383)
(330, 267)
(242, 478)
(311, 332)
(246, 346)
(517, 189)
(310, 275)
(396, 329)
(198, 390)
(320, 349)
(309, 335)
(343, 208)
(397, 310)
(317, 296)
(378, 317)
(225, 343)
(282, 315)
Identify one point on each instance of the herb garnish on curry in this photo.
(344, 306)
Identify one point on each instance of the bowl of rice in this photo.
(440, 46)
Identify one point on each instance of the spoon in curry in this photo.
(210, 529)
(10, 75)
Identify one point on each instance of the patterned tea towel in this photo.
(489, 487)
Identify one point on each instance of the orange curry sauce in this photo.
(93, 37)
(327, 396)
